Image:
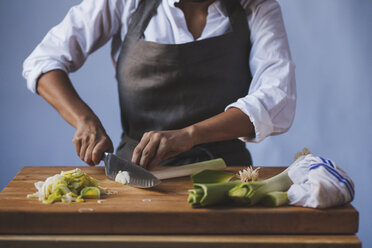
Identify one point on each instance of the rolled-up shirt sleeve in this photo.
(86, 27)
(271, 100)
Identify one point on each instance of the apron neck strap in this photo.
(237, 15)
(141, 17)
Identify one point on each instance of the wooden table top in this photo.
(160, 210)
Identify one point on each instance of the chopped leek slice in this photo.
(69, 197)
(79, 199)
(122, 177)
(90, 193)
(52, 198)
(68, 186)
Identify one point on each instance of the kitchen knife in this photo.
(138, 176)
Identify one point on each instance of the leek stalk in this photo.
(189, 169)
(212, 176)
(210, 194)
(251, 193)
(275, 199)
(210, 187)
(217, 190)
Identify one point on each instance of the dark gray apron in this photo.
(171, 86)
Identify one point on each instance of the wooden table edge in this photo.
(195, 241)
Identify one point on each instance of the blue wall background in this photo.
(331, 46)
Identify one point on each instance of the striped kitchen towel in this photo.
(319, 183)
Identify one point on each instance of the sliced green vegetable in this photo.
(90, 193)
(62, 188)
(210, 194)
(69, 197)
(241, 192)
(68, 186)
(79, 199)
(211, 176)
(195, 196)
(53, 198)
(275, 199)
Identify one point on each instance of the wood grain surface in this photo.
(160, 210)
(180, 241)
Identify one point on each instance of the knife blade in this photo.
(138, 176)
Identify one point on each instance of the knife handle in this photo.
(105, 156)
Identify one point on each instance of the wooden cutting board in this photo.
(160, 210)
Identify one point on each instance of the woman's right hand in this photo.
(91, 141)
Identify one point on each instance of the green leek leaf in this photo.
(212, 176)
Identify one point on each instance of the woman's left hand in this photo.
(156, 146)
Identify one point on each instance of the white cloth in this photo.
(270, 102)
(318, 183)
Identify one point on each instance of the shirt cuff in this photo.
(258, 115)
(33, 75)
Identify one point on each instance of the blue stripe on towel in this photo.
(330, 163)
(337, 175)
(326, 161)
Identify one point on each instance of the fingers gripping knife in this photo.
(138, 176)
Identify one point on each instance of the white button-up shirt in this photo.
(271, 100)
